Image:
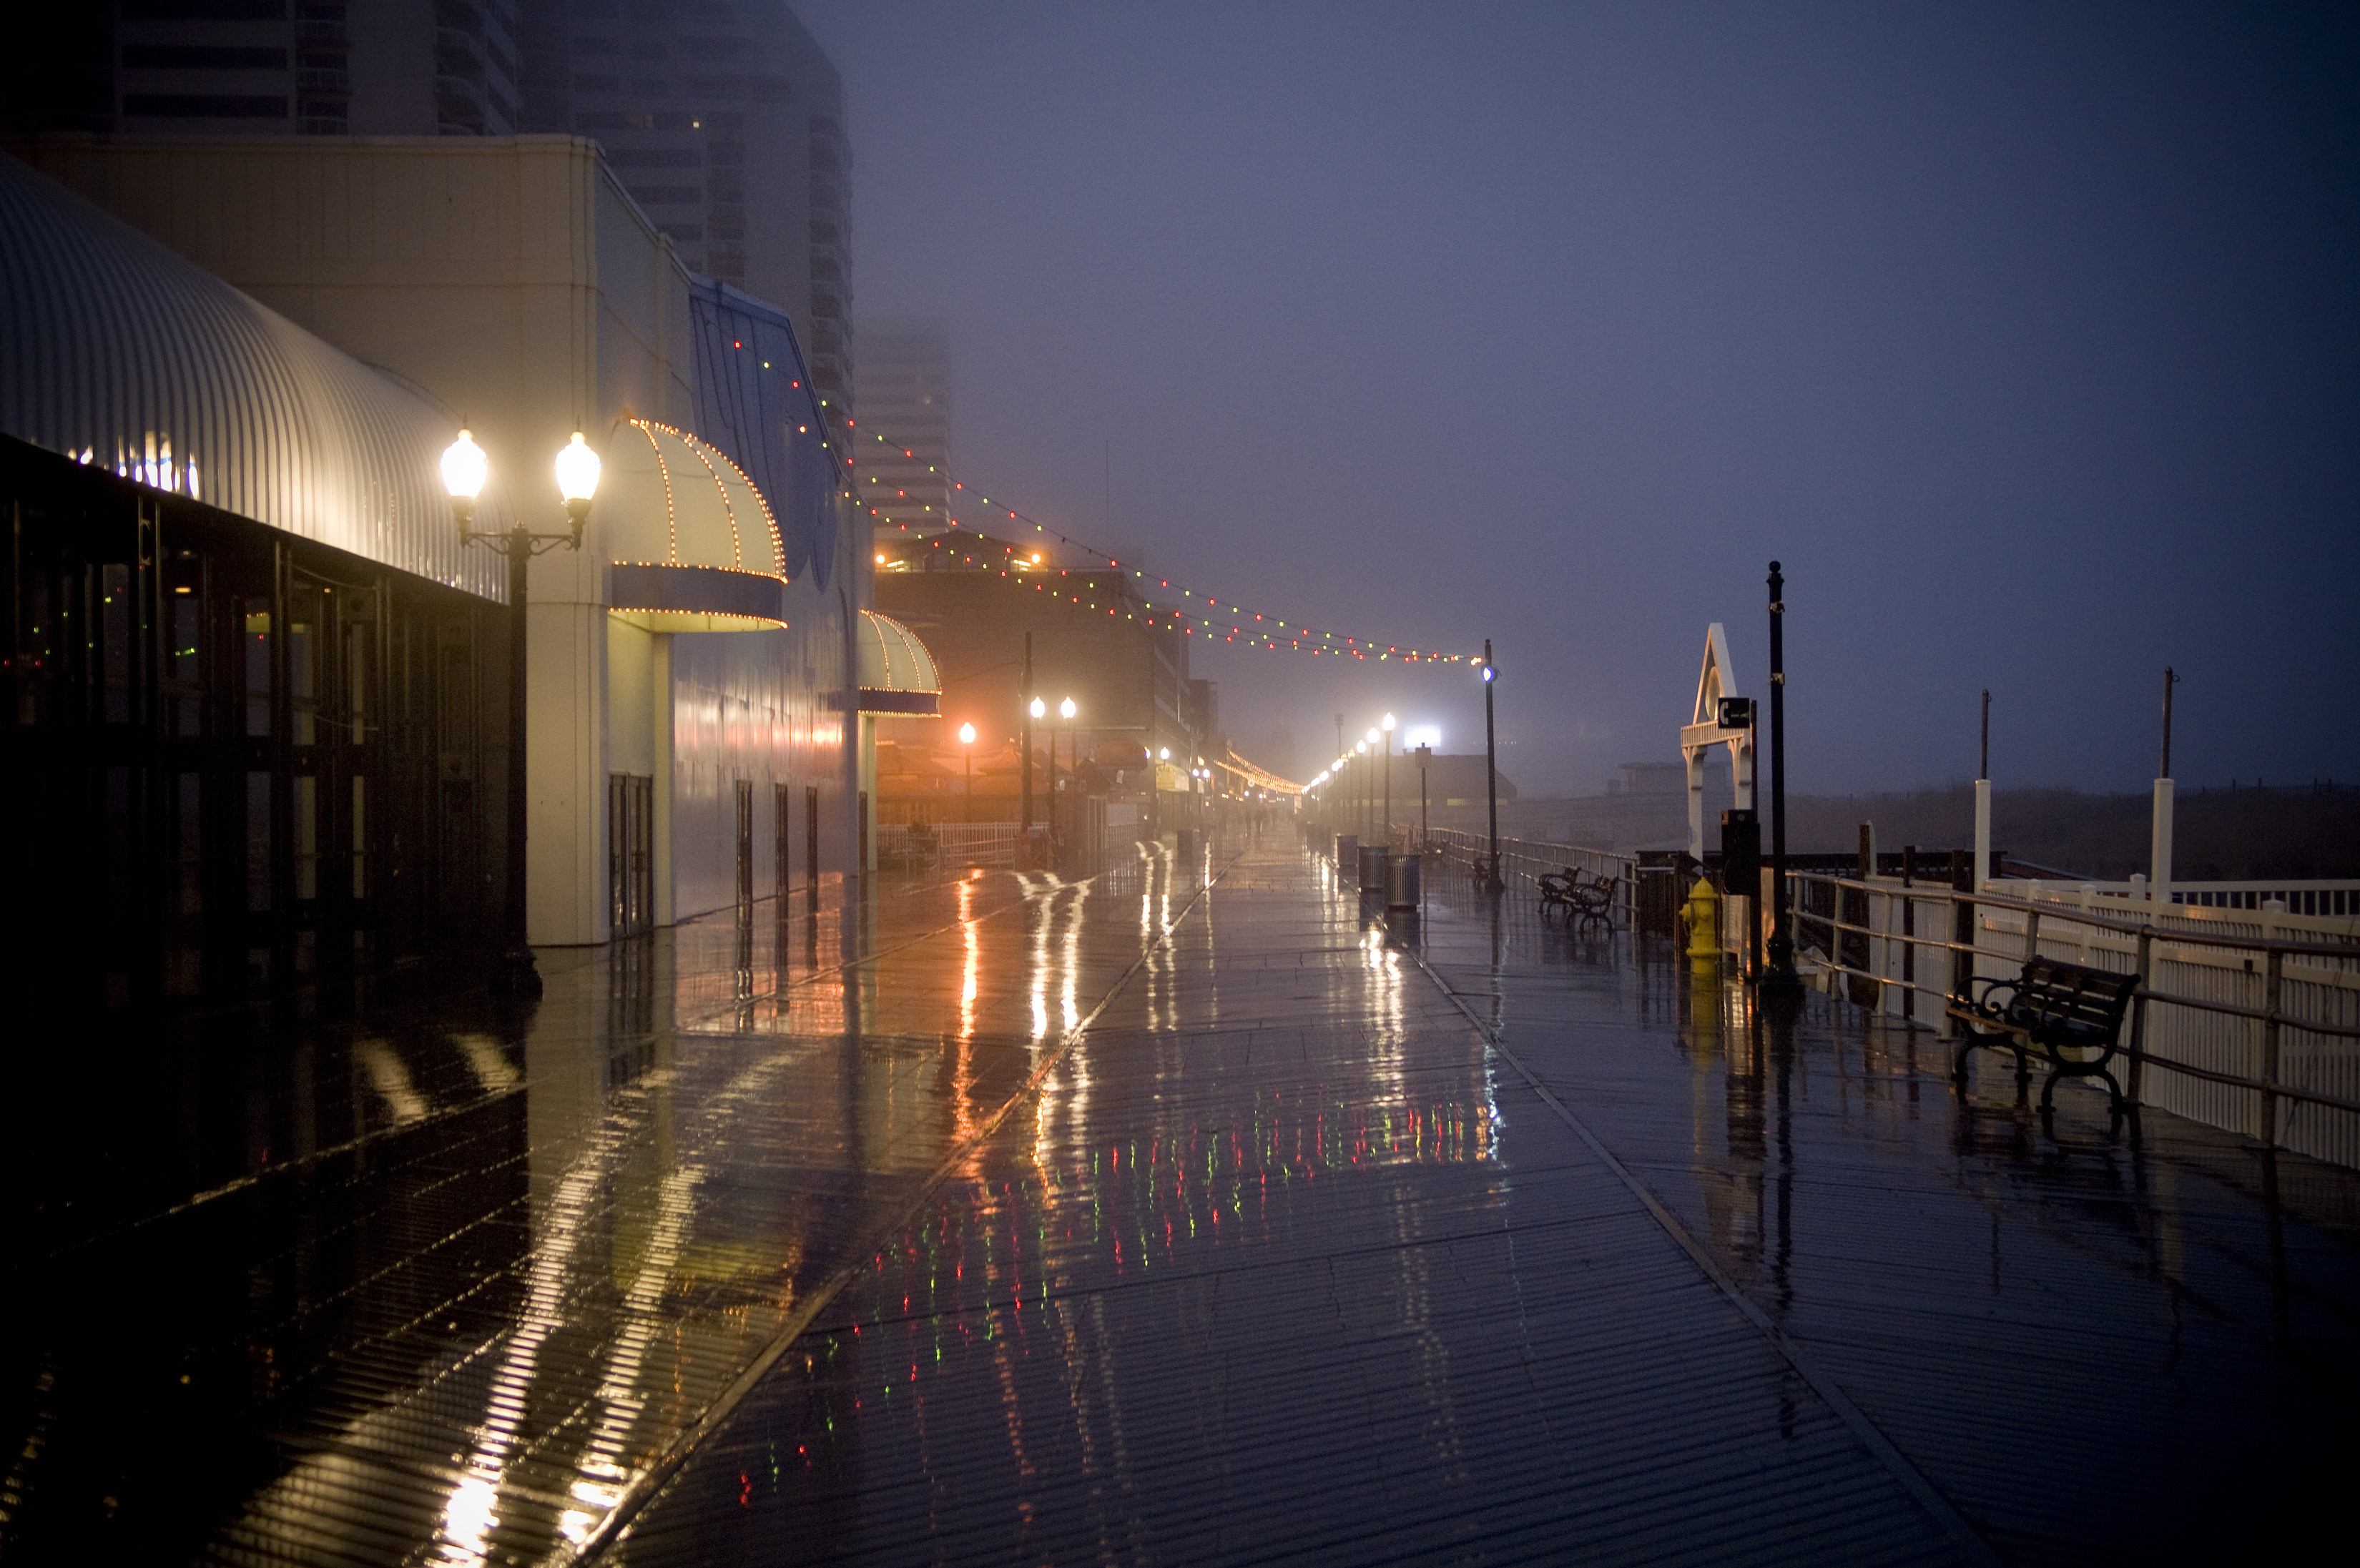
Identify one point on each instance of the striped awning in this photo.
(896, 674)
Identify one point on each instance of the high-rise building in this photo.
(725, 120)
(218, 68)
(905, 479)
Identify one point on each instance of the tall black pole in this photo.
(1024, 703)
(1491, 767)
(1781, 969)
(518, 975)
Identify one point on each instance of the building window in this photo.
(204, 10)
(201, 57)
(665, 195)
(203, 106)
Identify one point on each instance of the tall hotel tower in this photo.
(905, 479)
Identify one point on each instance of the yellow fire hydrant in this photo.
(1702, 913)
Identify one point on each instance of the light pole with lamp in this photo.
(1367, 795)
(464, 470)
(1065, 711)
(1493, 881)
(1037, 710)
(1156, 789)
(1388, 727)
(966, 739)
(1424, 829)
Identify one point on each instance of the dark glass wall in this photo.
(233, 761)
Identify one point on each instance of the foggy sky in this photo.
(2025, 336)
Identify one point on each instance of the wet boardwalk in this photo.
(1157, 1218)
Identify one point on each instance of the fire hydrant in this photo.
(1703, 915)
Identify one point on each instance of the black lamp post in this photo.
(465, 469)
(1073, 775)
(1780, 971)
(1494, 881)
(1388, 727)
(1031, 706)
(967, 790)
(1424, 828)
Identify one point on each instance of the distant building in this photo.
(276, 68)
(905, 483)
(1451, 781)
(974, 597)
(725, 120)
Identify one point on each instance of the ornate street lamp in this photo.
(1387, 726)
(966, 739)
(1425, 825)
(464, 470)
(1065, 711)
(1493, 881)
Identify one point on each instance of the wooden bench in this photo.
(2070, 1013)
(1578, 900)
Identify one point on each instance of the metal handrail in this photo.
(2075, 915)
(1551, 857)
(2146, 935)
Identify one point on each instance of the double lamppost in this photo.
(464, 470)
(1065, 711)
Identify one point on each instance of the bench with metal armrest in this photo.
(2068, 1013)
(1578, 900)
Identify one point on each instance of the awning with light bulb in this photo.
(694, 545)
(895, 674)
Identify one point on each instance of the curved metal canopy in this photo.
(127, 356)
(696, 548)
(896, 674)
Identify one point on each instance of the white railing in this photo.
(2248, 1020)
(928, 846)
(2330, 898)
(1523, 861)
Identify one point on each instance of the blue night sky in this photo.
(2025, 335)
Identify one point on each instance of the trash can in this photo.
(1348, 854)
(1187, 847)
(1401, 881)
(1372, 868)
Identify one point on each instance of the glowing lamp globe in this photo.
(1039, 707)
(967, 734)
(577, 481)
(465, 469)
(1067, 709)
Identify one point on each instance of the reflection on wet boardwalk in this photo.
(1183, 1214)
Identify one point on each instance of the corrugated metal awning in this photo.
(127, 356)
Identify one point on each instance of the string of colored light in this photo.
(1301, 638)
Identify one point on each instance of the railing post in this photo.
(2272, 984)
(2137, 1091)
